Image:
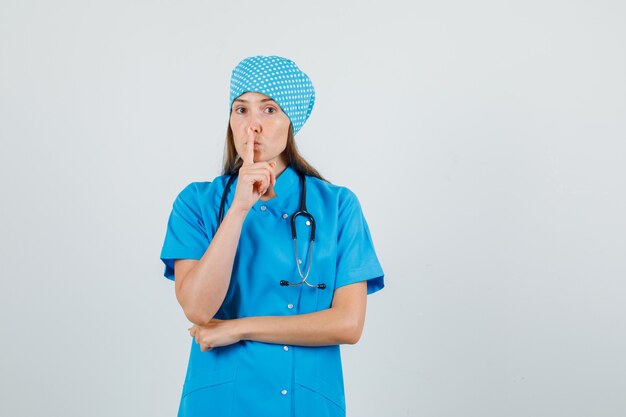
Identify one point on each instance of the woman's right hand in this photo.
(254, 178)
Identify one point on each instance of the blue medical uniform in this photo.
(252, 378)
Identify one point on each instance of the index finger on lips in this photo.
(249, 156)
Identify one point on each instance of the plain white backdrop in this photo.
(485, 141)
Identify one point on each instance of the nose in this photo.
(254, 122)
(255, 127)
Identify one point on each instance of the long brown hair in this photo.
(291, 155)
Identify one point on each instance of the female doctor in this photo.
(268, 311)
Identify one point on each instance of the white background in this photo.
(485, 141)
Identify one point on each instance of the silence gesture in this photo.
(254, 177)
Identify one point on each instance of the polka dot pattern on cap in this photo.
(281, 80)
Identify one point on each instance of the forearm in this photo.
(204, 287)
(326, 327)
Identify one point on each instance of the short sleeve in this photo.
(186, 236)
(356, 257)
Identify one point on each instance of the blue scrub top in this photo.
(252, 378)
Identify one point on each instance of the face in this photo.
(269, 123)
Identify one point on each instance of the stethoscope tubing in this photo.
(302, 211)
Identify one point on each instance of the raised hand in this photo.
(254, 177)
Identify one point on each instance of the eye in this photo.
(273, 110)
(237, 110)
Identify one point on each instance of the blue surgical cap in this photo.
(281, 80)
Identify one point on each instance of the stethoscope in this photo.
(302, 211)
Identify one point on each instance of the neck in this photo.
(280, 168)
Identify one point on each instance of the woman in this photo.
(269, 312)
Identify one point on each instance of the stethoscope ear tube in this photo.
(220, 215)
(302, 211)
(294, 234)
(284, 283)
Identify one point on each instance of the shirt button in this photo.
(290, 306)
(263, 208)
(284, 392)
(285, 216)
(285, 348)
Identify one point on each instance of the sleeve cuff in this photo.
(169, 254)
(375, 278)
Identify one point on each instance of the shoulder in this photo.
(341, 195)
(195, 189)
(192, 190)
(201, 191)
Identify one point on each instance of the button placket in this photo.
(263, 209)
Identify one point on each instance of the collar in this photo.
(287, 183)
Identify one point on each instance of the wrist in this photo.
(239, 328)
(236, 213)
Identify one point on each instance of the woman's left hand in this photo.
(216, 333)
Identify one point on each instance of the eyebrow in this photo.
(245, 101)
